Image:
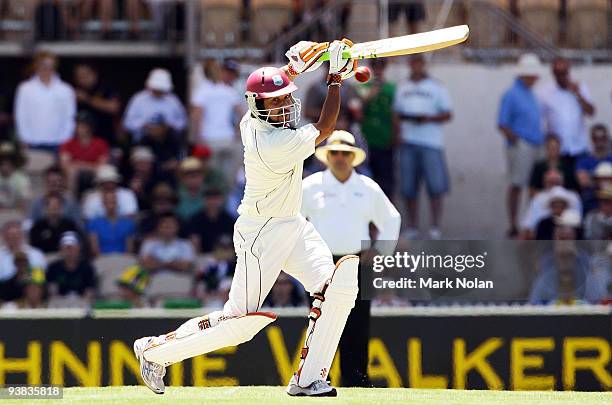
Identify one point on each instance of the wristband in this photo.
(292, 70)
(334, 79)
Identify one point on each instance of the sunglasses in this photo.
(340, 152)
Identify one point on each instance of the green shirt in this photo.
(376, 126)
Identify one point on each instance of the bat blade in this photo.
(407, 44)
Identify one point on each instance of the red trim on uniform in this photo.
(270, 315)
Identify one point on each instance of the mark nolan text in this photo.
(430, 283)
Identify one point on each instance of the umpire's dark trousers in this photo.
(354, 344)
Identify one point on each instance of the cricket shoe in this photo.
(318, 388)
(152, 373)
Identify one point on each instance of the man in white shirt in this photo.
(216, 107)
(13, 244)
(421, 106)
(565, 104)
(107, 179)
(339, 195)
(45, 107)
(271, 234)
(155, 100)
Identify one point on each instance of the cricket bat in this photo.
(407, 44)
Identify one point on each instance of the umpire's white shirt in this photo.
(342, 212)
(274, 162)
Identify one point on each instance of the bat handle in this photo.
(325, 56)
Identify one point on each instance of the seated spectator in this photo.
(539, 206)
(15, 188)
(22, 269)
(112, 232)
(45, 107)
(55, 183)
(212, 281)
(598, 223)
(213, 177)
(585, 166)
(163, 201)
(164, 251)
(212, 223)
(557, 203)
(143, 177)
(83, 154)
(566, 278)
(99, 100)
(47, 231)
(107, 181)
(191, 188)
(284, 293)
(603, 175)
(552, 160)
(163, 142)
(72, 274)
(156, 99)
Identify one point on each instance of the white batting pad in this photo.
(194, 337)
(324, 334)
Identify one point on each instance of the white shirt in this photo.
(539, 206)
(218, 102)
(564, 117)
(44, 114)
(127, 204)
(342, 212)
(425, 97)
(177, 249)
(7, 261)
(274, 162)
(143, 106)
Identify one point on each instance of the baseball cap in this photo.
(160, 79)
(69, 239)
(107, 173)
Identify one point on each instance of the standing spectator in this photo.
(520, 123)
(212, 223)
(598, 223)
(72, 274)
(156, 99)
(552, 160)
(565, 104)
(55, 183)
(415, 14)
(191, 188)
(216, 108)
(108, 181)
(376, 127)
(47, 231)
(339, 195)
(22, 267)
(111, 232)
(421, 106)
(99, 100)
(165, 144)
(107, 10)
(585, 166)
(15, 188)
(45, 107)
(83, 154)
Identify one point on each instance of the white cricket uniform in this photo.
(271, 234)
(354, 204)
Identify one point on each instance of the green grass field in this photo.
(356, 396)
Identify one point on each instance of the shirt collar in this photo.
(330, 179)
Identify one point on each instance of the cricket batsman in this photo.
(270, 234)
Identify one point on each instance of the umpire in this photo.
(343, 205)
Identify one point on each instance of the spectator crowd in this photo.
(158, 182)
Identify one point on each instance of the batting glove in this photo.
(337, 64)
(303, 56)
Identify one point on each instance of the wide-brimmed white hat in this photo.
(159, 79)
(341, 141)
(107, 173)
(604, 169)
(570, 218)
(528, 65)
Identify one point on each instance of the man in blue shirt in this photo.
(585, 166)
(520, 123)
